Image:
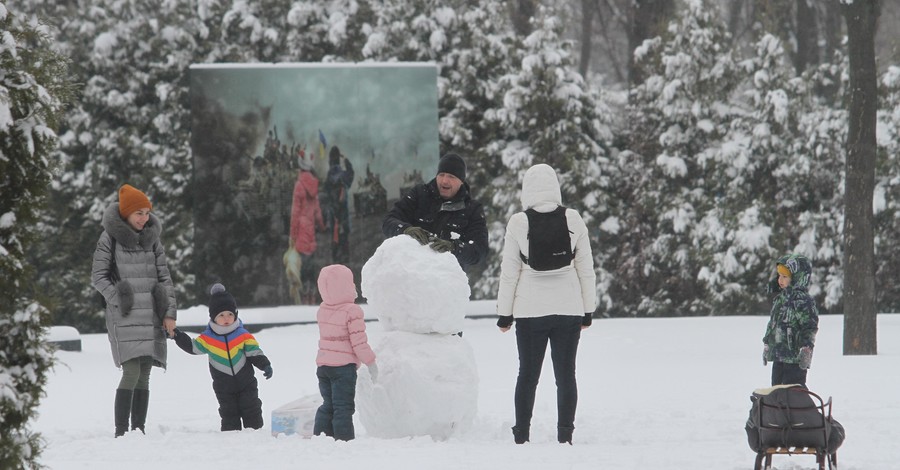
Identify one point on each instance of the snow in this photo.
(654, 393)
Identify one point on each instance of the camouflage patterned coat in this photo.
(794, 321)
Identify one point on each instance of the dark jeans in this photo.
(785, 374)
(338, 387)
(532, 335)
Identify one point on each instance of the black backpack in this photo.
(549, 240)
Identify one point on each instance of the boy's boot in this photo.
(122, 410)
(564, 434)
(139, 403)
(520, 434)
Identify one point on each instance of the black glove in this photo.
(588, 319)
(267, 372)
(418, 234)
(505, 321)
(441, 246)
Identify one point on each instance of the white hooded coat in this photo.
(526, 293)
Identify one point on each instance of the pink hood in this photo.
(342, 328)
(336, 285)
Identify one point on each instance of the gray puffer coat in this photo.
(137, 287)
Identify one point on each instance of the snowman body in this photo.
(428, 380)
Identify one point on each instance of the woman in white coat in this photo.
(547, 305)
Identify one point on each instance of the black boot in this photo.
(520, 434)
(564, 434)
(122, 410)
(139, 404)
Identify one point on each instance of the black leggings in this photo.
(532, 335)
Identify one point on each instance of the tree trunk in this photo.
(587, 32)
(649, 19)
(807, 34)
(860, 325)
(521, 12)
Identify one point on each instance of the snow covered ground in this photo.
(654, 393)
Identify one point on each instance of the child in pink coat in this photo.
(343, 345)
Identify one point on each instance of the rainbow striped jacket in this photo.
(228, 348)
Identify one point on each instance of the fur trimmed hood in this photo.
(119, 229)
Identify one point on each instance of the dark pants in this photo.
(532, 335)
(785, 374)
(338, 388)
(239, 400)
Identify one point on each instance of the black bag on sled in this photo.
(792, 416)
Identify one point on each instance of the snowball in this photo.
(412, 288)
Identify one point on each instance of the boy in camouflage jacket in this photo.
(791, 333)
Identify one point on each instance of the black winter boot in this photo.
(122, 410)
(564, 434)
(520, 434)
(139, 404)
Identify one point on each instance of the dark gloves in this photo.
(765, 354)
(505, 321)
(805, 357)
(267, 372)
(125, 296)
(441, 246)
(587, 319)
(418, 234)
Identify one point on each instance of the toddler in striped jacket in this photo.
(232, 352)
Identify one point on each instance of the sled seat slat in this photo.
(792, 450)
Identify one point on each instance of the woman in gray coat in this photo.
(131, 272)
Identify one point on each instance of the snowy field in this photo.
(654, 393)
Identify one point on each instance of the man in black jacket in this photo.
(442, 214)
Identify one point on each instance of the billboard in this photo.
(295, 166)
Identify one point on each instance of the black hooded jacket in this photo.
(459, 220)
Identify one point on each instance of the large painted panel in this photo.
(295, 166)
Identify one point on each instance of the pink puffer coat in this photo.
(342, 331)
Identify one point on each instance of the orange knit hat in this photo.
(783, 270)
(132, 199)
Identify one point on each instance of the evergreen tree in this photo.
(679, 120)
(887, 193)
(33, 86)
(548, 115)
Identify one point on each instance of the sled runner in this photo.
(788, 420)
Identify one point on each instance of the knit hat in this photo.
(220, 301)
(454, 165)
(132, 199)
(783, 270)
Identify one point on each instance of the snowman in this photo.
(427, 383)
